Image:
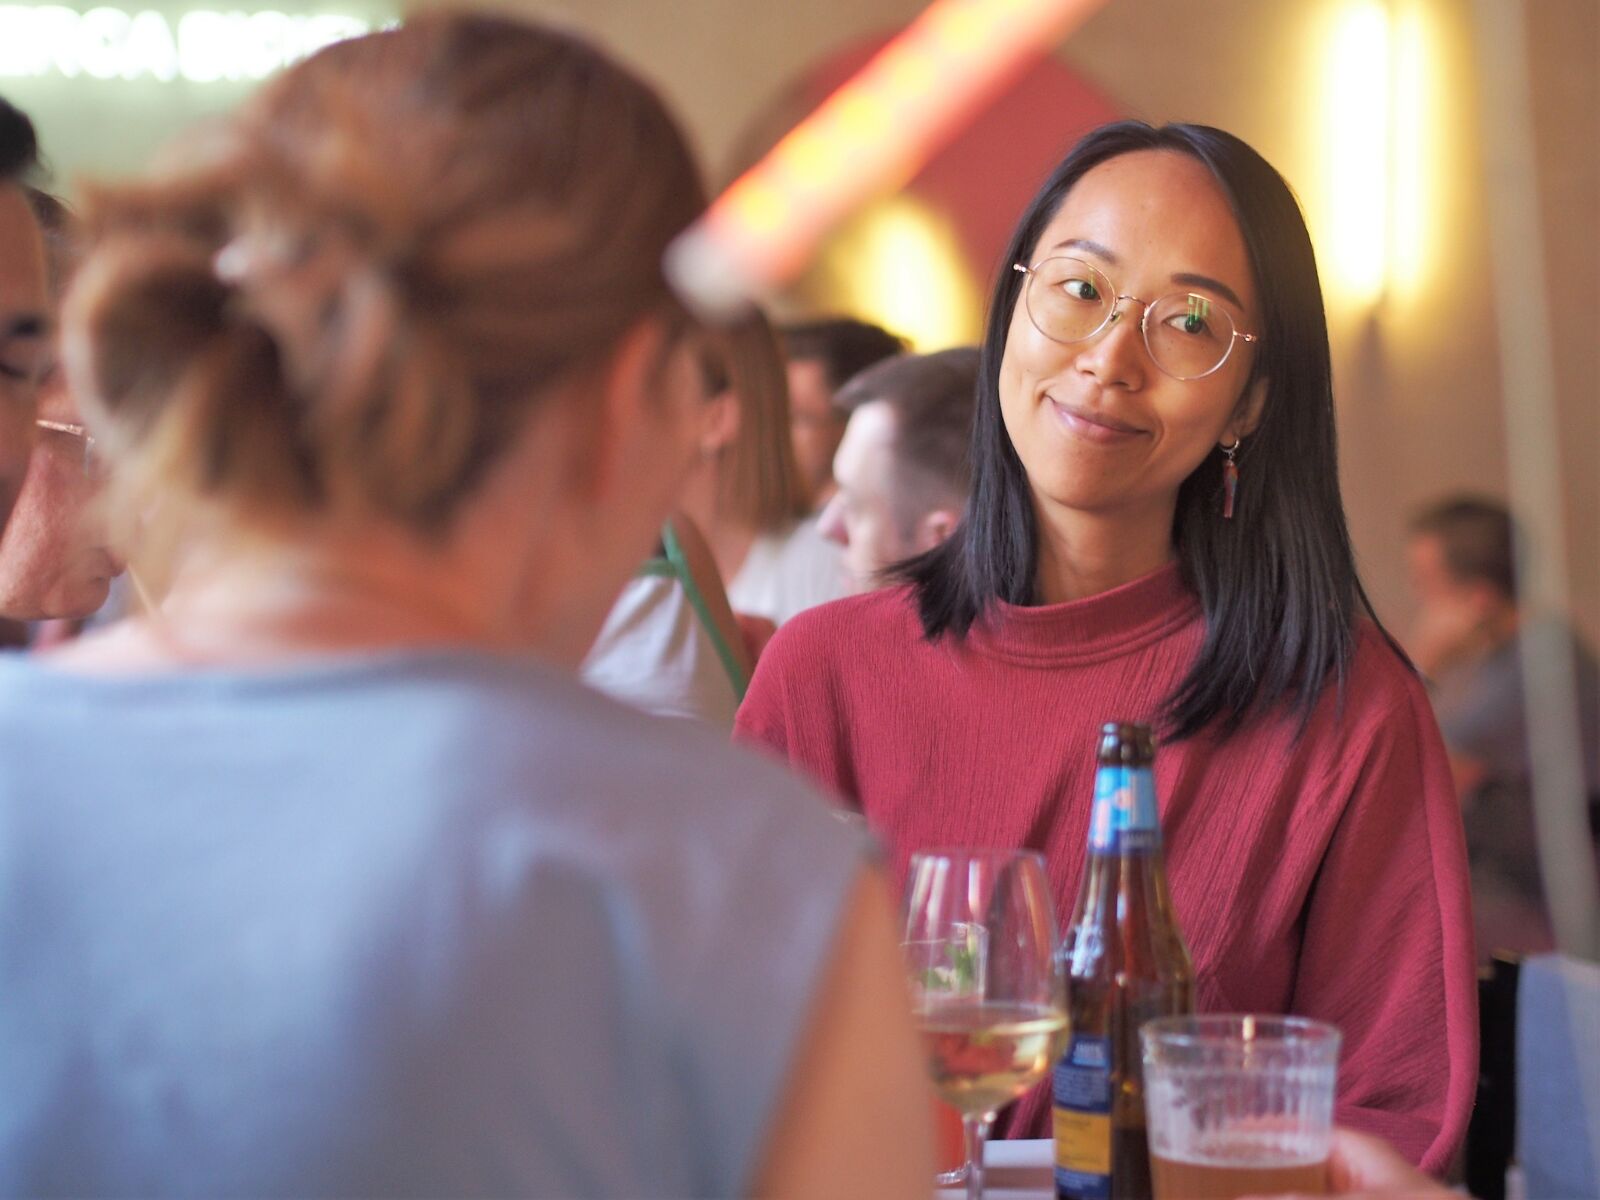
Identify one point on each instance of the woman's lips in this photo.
(1093, 426)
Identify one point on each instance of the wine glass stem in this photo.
(977, 1133)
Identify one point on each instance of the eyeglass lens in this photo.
(90, 460)
(1187, 335)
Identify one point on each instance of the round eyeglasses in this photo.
(1188, 336)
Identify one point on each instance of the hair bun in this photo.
(350, 298)
(159, 348)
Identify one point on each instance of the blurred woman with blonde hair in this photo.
(746, 493)
(327, 878)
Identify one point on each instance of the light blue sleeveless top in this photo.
(426, 924)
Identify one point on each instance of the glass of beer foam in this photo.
(1239, 1105)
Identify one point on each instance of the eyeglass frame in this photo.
(76, 430)
(1028, 273)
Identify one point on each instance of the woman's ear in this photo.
(1247, 413)
(934, 527)
(719, 422)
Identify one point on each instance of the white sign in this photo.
(204, 46)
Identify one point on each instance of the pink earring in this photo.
(1230, 480)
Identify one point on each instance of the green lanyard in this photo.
(674, 566)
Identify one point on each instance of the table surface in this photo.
(1018, 1170)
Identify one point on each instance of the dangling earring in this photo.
(1230, 480)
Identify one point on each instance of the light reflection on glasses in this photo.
(90, 462)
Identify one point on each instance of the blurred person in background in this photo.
(1155, 533)
(24, 301)
(355, 890)
(671, 645)
(746, 493)
(1469, 639)
(901, 470)
(55, 564)
(822, 355)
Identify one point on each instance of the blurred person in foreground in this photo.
(1469, 638)
(822, 355)
(746, 494)
(1155, 533)
(24, 301)
(901, 470)
(327, 877)
(55, 564)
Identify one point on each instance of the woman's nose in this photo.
(1115, 356)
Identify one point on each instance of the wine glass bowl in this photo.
(979, 946)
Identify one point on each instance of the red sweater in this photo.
(1324, 876)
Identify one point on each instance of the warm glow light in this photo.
(1381, 153)
(910, 72)
(203, 47)
(901, 266)
(874, 133)
(1414, 150)
(760, 206)
(810, 157)
(1359, 148)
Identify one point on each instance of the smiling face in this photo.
(1100, 428)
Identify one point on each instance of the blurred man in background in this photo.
(822, 355)
(55, 565)
(901, 469)
(1469, 640)
(24, 301)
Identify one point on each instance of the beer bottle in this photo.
(1125, 964)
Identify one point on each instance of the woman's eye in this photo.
(1081, 289)
(1194, 320)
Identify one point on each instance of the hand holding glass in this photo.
(980, 940)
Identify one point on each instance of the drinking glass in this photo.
(980, 937)
(1239, 1105)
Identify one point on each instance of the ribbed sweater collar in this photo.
(1082, 631)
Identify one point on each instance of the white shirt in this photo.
(787, 573)
(655, 654)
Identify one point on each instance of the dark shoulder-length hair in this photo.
(1278, 582)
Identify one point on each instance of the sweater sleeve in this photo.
(1387, 952)
(763, 718)
(793, 709)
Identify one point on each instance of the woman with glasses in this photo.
(325, 877)
(1155, 533)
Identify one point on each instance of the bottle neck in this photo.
(1124, 819)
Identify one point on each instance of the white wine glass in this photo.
(987, 996)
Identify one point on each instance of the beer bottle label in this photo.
(1082, 1120)
(1124, 819)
